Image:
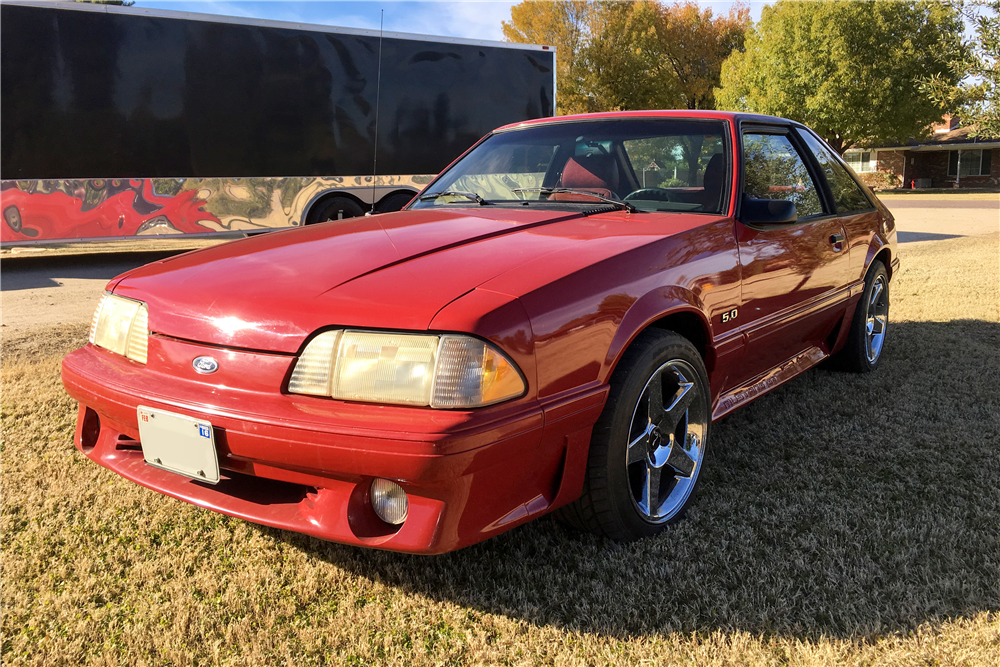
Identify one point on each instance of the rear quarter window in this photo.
(848, 196)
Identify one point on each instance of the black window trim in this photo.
(812, 167)
(827, 190)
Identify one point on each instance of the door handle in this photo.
(836, 238)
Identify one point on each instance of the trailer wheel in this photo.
(394, 202)
(334, 208)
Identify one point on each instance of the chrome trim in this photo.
(766, 381)
(205, 365)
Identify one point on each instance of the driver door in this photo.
(794, 276)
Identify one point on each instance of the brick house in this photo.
(948, 159)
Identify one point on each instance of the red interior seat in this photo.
(593, 173)
(712, 181)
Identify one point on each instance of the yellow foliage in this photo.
(631, 55)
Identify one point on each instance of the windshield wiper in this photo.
(454, 193)
(549, 191)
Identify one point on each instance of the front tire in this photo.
(649, 444)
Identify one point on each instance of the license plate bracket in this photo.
(178, 444)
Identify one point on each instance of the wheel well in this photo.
(381, 203)
(330, 195)
(692, 327)
(403, 191)
(885, 256)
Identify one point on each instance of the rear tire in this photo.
(334, 208)
(649, 444)
(866, 339)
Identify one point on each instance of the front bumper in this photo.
(305, 464)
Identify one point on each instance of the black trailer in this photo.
(120, 121)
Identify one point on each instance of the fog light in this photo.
(389, 501)
(91, 430)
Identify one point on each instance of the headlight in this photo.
(120, 325)
(448, 371)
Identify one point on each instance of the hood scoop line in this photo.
(221, 346)
(474, 239)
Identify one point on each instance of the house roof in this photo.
(959, 137)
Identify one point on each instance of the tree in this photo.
(976, 99)
(849, 70)
(623, 63)
(631, 55)
(696, 44)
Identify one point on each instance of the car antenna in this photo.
(378, 91)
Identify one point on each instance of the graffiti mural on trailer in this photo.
(39, 210)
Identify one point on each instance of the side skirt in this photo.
(765, 382)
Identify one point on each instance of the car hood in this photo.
(269, 292)
(391, 271)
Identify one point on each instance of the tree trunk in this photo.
(836, 142)
(692, 151)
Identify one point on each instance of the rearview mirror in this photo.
(767, 212)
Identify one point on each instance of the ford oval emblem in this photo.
(205, 365)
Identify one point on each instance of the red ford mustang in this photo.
(555, 322)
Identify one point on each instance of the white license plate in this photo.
(179, 444)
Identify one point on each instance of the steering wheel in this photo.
(653, 194)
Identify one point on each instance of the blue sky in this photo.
(469, 19)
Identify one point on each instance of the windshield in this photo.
(652, 165)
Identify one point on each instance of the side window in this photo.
(773, 169)
(847, 194)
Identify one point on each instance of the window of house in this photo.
(969, 163)
(860, 161)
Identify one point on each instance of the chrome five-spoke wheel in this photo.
(877, 318)
(665, 450)
(865, 342)
(648, 446)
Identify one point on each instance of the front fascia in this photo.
(470, 474)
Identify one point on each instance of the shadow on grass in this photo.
(916, 237)
(840, 505)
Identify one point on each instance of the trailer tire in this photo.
(334, 208)
(394, 202)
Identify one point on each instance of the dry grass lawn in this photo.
(842, 520)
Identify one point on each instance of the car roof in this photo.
(734, 116)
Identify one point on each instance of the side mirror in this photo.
(767, 212)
